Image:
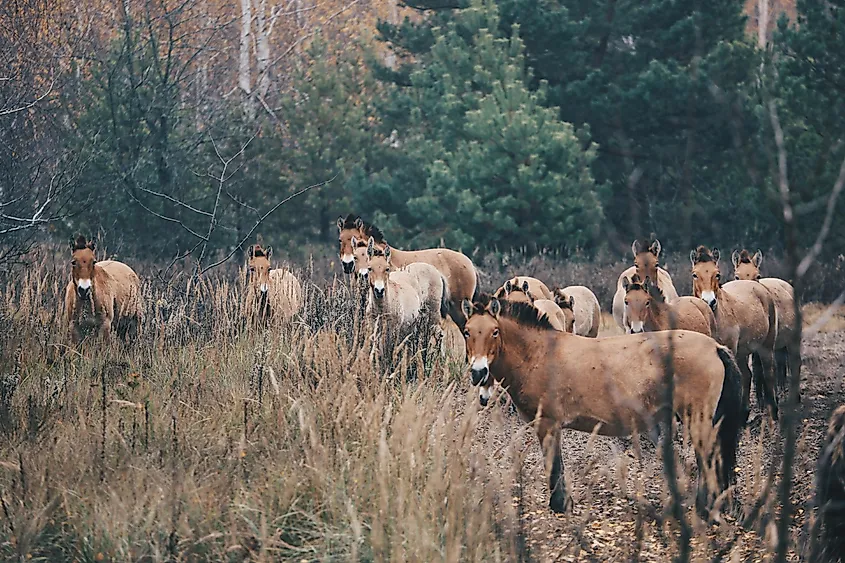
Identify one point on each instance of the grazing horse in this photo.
(538, 289)
(272, 293)
(457, 270)
(615, 386)
(521, 293)
(101, 295)
(747, 267)
(746, 322)
(583, 305)
(402, 295)
(830, 490)
(648, 311)
(646, 265)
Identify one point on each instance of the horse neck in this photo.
(658, 315)
(519, 350)
(399, 258)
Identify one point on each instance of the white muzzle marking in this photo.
(478, 364)
(484, 393)
(347, 258)
(263, 288)
(363, 272)
(709, 297)
(378, 286)
(637, 326)
(84, 284)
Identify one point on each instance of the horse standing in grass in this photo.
(582, 305)
(457, 269)
(746, 322)
(271, 293)
(102, 295)
(615, 386)
(830, 490)
(402, 295)
(747, 267)
(521, 293)
(646, 265)
(648, 311)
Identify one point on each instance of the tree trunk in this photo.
(244, 70)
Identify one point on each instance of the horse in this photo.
(538, 289)
(521, 293)
(646, 265)
(456, 269)
(582, 305)
(348, 227)
(271, 293)
(747, 267)
(746, 322)
(647, 310)
(102, 295)
(830, 490)
(402, 295)
(614, 386)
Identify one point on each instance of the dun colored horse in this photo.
(581, 304)
(537, 288)
(647, 310)
(830, 491)
(746, 322)
(457, 270)
(615, 386)
(747, 267)
(101, 295)
(646, 265)
(521, 293)
(402, 295)
(272, 293)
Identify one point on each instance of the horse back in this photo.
(115, 280)
(694, 314)
(783, 295)
(456, 268)
(553, 312)
(587, 310)
(752, 310)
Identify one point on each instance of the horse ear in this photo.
(268, 251)
(339, 224)
(495, 307)
(716, 255)
(735, 258)
(525, 286)
(387, 252)
(646, 283)
(572, 302)
(625, 283)
(370, 247)
(692, 257)
(655, 247)
(758, 258)
(359, 223)
(508, 287)
(466, 308)
(92, 244)
(635, 248)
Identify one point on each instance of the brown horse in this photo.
(648, 311)
(830, 490)
(457, 270)
(615, 386)
(646, 265)
(583, 306)
(537, 288)
(101, 295)
(271, 293)
(521, 293)
(347, 228)
(747, 267)
(746, 322)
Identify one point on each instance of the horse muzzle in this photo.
(348, 267)
(479, 375)
(484, 395)
(378, 293)
(83, 293)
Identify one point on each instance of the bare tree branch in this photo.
(816, 249)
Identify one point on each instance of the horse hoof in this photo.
(560, 504)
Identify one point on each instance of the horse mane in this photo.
(703, 254)
(375, 232)
(635, 284)
(257, 251)
(378, 252)
(744, 257)
(349, 222)
(524, 314)
(80, 243)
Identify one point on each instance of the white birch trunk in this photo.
(244, 67)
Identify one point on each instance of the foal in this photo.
(647, 310)
(646, 265)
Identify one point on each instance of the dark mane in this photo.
(375, 232)
(257, 251)
(656, 293)
(378, 252)
(523, 313)
(349, 222)
(744, 257)
(80, 243)
(635, 284)
(703, 254)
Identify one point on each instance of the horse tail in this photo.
(445, 298)
(732, 411)
(477, 290)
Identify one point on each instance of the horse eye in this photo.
(647, 303)
(718, 276)
(758, 278)
(466, 333)
(73, 262)
(495, 333)
(251, 269)
(694, 276)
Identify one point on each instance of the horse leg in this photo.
(548, 432)
(767, 379)
(745, 372)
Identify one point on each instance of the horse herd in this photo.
(542, 344)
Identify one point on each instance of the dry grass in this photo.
(824, 318)
(207, 440)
